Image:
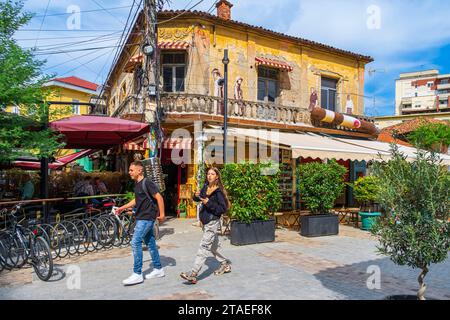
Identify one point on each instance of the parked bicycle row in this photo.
(75, 235)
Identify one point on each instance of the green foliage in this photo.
(432, 136)
(416, 231)
(21, 84)
(321, 184)
(366, 189)
(253, 194)
(130, 196)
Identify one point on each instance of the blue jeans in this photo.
(144, 231)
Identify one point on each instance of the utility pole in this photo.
(152, 57)
(225, 62)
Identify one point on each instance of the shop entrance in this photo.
(174, 176)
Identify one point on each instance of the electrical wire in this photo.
(82, 11)
(122, 38)
(182, 13)
(107, 11)
(84, 49)
(42, 23)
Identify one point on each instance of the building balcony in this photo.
(186, 108)
(443, 86)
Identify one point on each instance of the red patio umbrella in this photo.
(83, 132)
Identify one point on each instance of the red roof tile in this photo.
(75, 81)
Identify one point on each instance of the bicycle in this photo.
(125, 227)
(32, 249)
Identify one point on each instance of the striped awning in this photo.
(173, 45)
(177, 143)
(273, 63)
(133, 146)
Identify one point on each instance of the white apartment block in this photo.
(422, 92)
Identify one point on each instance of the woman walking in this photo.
(214, 203)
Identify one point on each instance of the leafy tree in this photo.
(432, 136)
(320, 184)
(21, 84)
(416, 231)
(253, 195)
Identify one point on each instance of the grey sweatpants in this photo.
(208, 245)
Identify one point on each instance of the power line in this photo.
(212, 6)
(67, 61)
(66, 30)
(82, 11)
(120, 41)
(77, 43)
(66, 37)
(106, 10)
(84, 49)
(42, 23)
(82, 65)
(182, 13)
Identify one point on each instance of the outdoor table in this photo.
(345, 213)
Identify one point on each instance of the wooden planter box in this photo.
(319, 225)
(250, 233)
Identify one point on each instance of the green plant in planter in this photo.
(320, 184)
(253, 195)
(366, 191)
(416, 232)
(182, 208)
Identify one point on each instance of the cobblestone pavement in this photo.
(293, 267)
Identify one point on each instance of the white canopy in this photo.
(324, 147)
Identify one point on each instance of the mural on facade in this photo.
(238, 93)
(349, 105)
(313, 99)
(218, 90)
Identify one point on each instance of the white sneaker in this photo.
(156, 273)
(133, 279)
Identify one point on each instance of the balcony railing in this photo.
(196, 104)
(208, 105)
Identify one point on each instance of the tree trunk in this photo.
(423, 286)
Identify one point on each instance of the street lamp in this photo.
(225, 62)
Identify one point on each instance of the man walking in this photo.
(148, 202)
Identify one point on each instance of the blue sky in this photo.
(402, 35)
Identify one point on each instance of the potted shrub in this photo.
(254, 196)
(182, 210)
(320, 184)
(416, 232)
(365, 191)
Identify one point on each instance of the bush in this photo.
(253, 195)
(416, 232)
(320, 185)
(366, 189)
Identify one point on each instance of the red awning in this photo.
(273, 63)
(83, 132)
(164, 45)
(177, 143)
(134, 146)
(60, 162)
(173, 45)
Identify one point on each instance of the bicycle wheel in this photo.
(61, 233)
(41, 258)
(156, 229)
(107, 231)
(128, 225)
(21, 249)
(54, 243)
(10, 259)
(2, 257)
(73, 237)
(83, 236)
(93, 236)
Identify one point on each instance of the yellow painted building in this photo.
(274, 79)
(69, 89)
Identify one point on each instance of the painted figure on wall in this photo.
(312, 99)
(239, 95)
(218, 90)
(349, 105)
